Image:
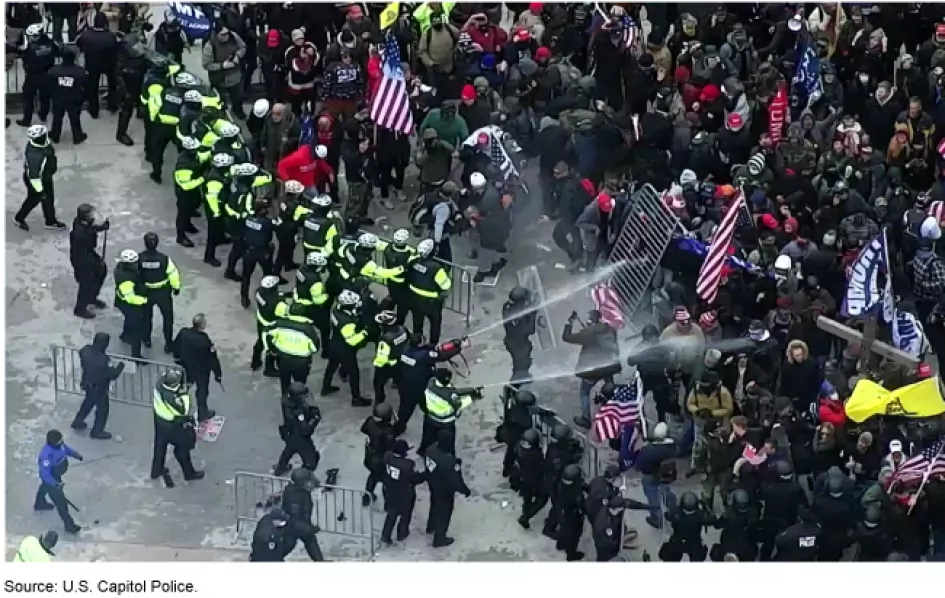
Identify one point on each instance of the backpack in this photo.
(569, 75)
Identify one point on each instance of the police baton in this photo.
(220, 382)
(71, 504)
(104, 243)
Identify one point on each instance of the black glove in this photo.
(176, 292)
(218, 378)
(79, 457)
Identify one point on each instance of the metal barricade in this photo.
(590, 459)
(643, 240)
(544, 329)
(337, 510)
(135, 385)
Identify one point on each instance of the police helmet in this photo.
(443, 375)
(36, 131)
(245, 169)
(519, 294)
(650, 333)
(525, 398)
(171, 379)
(49, 540)
(318, 199)
(425, 247)
(530, 436)
(741, 500)
(301, 477)
(783, 470)
(189, 143)
(835, 486)
(561, 432)
(228, 129)
(616, 503)
(184, 79)
(477, 180)
(34, 30)
(297, 390)
(571, 473)
(383, 412)
(348, 298)
(269, 282)
(128, 256)
(278, 514)
(222, 160)
(401, 236)
(367, 241)
(321, 152)
(192, 96)
(84, 211)
(317, 259)
(689, 503)
(294, 187)
(386, 318)
(873, 515)
(261, 108)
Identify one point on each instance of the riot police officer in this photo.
(38, 57)
(781, 499)
(291, 215)
(164, 111)
(187, 125)
(390, 346)
(529, 467)
(322, 226)
(257, 246)
(834, 511)
(418, 363)
(380, 437)
(560, 453)
(570, 507)
(273, 539)
(519, 322)
(39, 166)
(428, 281)
(600, 491)
(270, 305)
(294, 341)
(400, 494)
(347, 337)
(132, 66)
(299, 420)
(397, 255)
(216, 193)
(298, 505)
(443, 404)
(516, 418)
(173, 426)
(687, 520)
(188, 180)
(162, 282)
(738, 526)
(607, 529)
(100, 48)
(873, 536)
(131, 300)
(310, 292)
(799, 542)
(67, 83)
(88, 267)
(445, 478)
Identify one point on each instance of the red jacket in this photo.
(832, 411)
(302, 166)
(374, 76)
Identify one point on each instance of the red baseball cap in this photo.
(769, 221)
(605, 202)
(734, 121)
(468, 93)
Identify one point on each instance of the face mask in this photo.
(864, 79)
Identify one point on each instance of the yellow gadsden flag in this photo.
(922, 399)
(389, 15)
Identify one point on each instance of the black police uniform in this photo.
(600, 491)
(395, 337)
(39, 162)
(686, 538)
(570, 505)
(172, 102)
(529, 470)
(836, 517)
(516, 418)
(132, 66)
(305, 277)
(874, 539)
(799, 542)
(299, 421)
(132, 328)
(196, 353)
(286, 233)
(421, 274)
(417, 365)
(40, 56)
(97, 374)
(298, 505)
(519, 327)
(397, 256)
(88, 267)
(781, 500)
(400, 494)
(100, 47)
(153, 265)
(558, 455)
(67, 84)
(607, 532)
(271, 542)
(738, 535)
(179, 433)
(445, 478)
(268, 301)
(257, 240)
(380, 437)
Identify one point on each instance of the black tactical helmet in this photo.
(783, 470)
(571, 473)
(301, 476)
(297, 390)
(741, 500)
(689, 503)
(617, 502)
(650, 332)
(84, 211)
(383, 412)
(873, 515)
(525, 398)
(519, 294)
(443, 375)
(835, 486)
(530, 436)
(561, 432)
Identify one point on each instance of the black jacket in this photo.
(100, 46)
(83, 241)
(194, 350)
(97, 371)
(67, 84)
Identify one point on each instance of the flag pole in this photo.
(925, 479)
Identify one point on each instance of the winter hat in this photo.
(487, 61)
(784, 302)
(273, 38)
(756, 330)
(770, 222)
(681, 74)
(734, 121)
(535, 7)
(895, 446)
(296, 34)
(605, 202)
(646, 61)
(681, 314)
(687, 177)
(709, 93)
(756, 164)
(542, 54)
(354, 11)
(527, 67)
(468, 93)
(758, 197)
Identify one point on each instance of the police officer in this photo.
(380, 438)
(196, 353)
(873, 536)
(517, 408)
(600, 491)
(53, 463)
(321, 228)
(429, 282)
(357, 259)
(291, 215)
(397, 255)
(131, 300)
(156, 79)
(88, 267)
(607, 529)
(390, 346)
(445, 478)
(164, 112)
(519, 322)
(162, 280)
(273, 539)
(216, 192)
(188, 180)
(67, 83)
(835, 514)
(310, 291)
(39, 166)
(173, 426)
(347, 337)
(801, 541)
(100, 48)
(738, 526)
(189, 115)
(400, 494)
(132, 66)
(97, 374)
(299, 420)
(529, 465)
(687, 520)
(230, 142)
(558, 455)
(443, 403)
(257, 242)
(417, 365)
(294, 341)
(37, 550)
(570, 506)
(780, 499)
(270, 305)
(239, 205)
(38, 57)
(297, 503)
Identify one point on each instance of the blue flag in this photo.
(193, 21)
(807, 75)
(700, 249)
(863, 293)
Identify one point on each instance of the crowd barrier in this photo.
(337, 510)
(135, 385)
(590, 461)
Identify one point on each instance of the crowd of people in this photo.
(800, 149)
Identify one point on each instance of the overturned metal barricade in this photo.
(590, 459)
(135, 385)
(544, 329)
(337, 510)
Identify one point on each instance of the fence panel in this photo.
(135, 385)
(337, 510)
(545, 328)
(590, 460)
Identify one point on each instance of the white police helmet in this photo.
(401, 236)
(193, 96)
(128, 256)
(386, 317)
(348, 298)
(245, 169)
(321, 151)
(185, 78)
(477, 180)
(261, 108)
(317, 259)
(189, 143)
(269, 282)
(322, 200)
(34, 30)
(294, 187)
(229, 130)
(367, 240)
(425, 248)
(222, 160)
(36, 131)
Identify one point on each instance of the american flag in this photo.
(710, 275)
(607, 302)
(391, 106)
(744, 217)
(620, 411)
(929, 462)
(628, 32)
